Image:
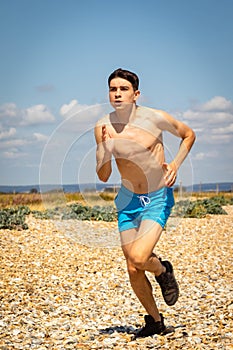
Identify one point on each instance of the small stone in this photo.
(37, 341)
(15, 332)
(197, 340)
(71, 340)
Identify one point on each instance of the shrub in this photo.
(107, 196)
(78, 212)
(46, 214)
(196, 210)
(200, 208)
(82, 212)
(14, 218)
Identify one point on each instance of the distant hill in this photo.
(211, 187)
(202, 187)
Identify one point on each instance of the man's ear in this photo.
(136, 94)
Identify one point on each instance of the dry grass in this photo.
(36, 201)
(14, 200)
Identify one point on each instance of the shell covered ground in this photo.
(64, 285)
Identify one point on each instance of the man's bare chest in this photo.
(133, 136)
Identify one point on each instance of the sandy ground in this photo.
(61, 287)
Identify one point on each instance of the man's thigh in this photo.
(128, 238)
(148, 236)
(142, 240)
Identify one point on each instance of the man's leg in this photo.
(143, 290)
(138, 246)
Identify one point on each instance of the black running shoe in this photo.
(151, 327)
(168, 284)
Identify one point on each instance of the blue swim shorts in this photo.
(132, 207)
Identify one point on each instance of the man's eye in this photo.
(124, 88)
(112, 89)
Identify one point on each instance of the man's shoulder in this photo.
(104, 120)
(150, 112)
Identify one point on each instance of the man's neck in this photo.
(127, 114)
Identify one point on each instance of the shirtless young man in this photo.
(133, 136)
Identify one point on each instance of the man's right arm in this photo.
(103, 153)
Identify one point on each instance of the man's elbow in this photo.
(190, 136)
(102, 175)
(193, 137)
(103, 178)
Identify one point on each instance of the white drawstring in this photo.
(144, 200)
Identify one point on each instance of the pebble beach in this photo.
(64, 285)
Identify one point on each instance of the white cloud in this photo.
(28, 147)
(8, 110)
(23, 134)
(205, 155)
(212, 120)
(199, 156)
(13, 143)
(220, 117)
(17, 140)
(223, 130)
(13, 154)
(38, 114)
(72, 108)
(11, 115)
(7, 134)
(40, 137)
(199, 130)
(81, 118)
(207, 117)
(221, 139)
(217, 103)
(192, 115)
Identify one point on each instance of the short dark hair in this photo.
(127, 75)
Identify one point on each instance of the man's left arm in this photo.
(188, 136)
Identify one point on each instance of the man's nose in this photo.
(118, 93)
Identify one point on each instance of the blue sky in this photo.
(56, 56)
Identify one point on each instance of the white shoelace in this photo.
(144, 200)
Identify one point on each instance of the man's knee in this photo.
(138, 261)
(135, 274)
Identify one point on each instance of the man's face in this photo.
(121, 93)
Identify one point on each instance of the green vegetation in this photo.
(201, 207)
(79, 212)
(14, 216)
